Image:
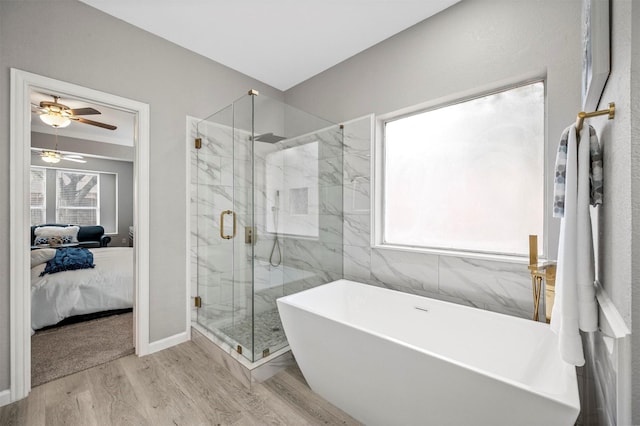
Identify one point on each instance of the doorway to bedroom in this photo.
(78, 190)
(81, 210)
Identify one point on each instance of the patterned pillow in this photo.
(54, 240)
(58, 231)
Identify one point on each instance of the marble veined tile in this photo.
(297, 280)
(213, 260)
(214, 197)
(226, 171)
(357, 196)
(357, 230)
(405, 269)
(242, 172)
(356, 166)
(330, 171)
(358, 135)
(218, 147)
(193, 167)
(505, 286)
(203, 233)
(331, 144)
(331, 200)
(218, 142)
(307, 254)
(357, 262)
(192, 126)
(330, 228)
(422, 292)
(206, 170)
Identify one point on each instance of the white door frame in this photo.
(22, 83)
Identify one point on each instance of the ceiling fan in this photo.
(54, 156)
(58, 115)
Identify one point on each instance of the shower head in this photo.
(268, 138)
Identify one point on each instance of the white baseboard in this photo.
(167, 342)
(5, 397)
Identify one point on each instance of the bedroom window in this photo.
(77, 197)
(38, 195)
(467, 176)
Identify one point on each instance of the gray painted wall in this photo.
(115, 57)
(83, 146)
(124, 171)
(635, 196)
(620, 213)
(476, 43)
(473, 46)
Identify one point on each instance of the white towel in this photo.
(575, 304)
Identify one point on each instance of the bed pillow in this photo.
(54, 240)
(69, 234)
(41, 256)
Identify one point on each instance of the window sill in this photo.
(517, 259)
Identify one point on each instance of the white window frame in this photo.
(377, 173)
(99, 172)
(44, 206)
(97, 206)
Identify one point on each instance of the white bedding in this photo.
(109, 285)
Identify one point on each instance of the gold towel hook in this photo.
(582, 115)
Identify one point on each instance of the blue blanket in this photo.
(69, 259)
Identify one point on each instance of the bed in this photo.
(107, 286)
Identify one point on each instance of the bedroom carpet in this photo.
(61, 351)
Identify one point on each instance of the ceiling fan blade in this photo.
(94, 123)
(37, 109)
(74, 159)
(85, 111)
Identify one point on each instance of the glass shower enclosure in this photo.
(266, 217)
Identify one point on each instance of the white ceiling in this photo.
(279, 42)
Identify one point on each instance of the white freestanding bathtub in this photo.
(392, 358)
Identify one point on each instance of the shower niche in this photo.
(266, 218)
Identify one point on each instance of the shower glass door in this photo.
(267, 217)
(223, 216)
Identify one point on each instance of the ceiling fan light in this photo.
(55, 119)
(50, 157)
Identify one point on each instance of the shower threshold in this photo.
(242, 369)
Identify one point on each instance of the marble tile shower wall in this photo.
(220, 180)
(497, 286)
(307, 260)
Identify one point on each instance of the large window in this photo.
(77, 197)
(466, 176)
(38, 195)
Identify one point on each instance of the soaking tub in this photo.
(392, 358)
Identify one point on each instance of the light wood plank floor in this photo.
(178, 386)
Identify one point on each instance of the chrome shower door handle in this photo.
(222, 235)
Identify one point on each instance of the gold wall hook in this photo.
(611, 112)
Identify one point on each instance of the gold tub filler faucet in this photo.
(541, 271)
